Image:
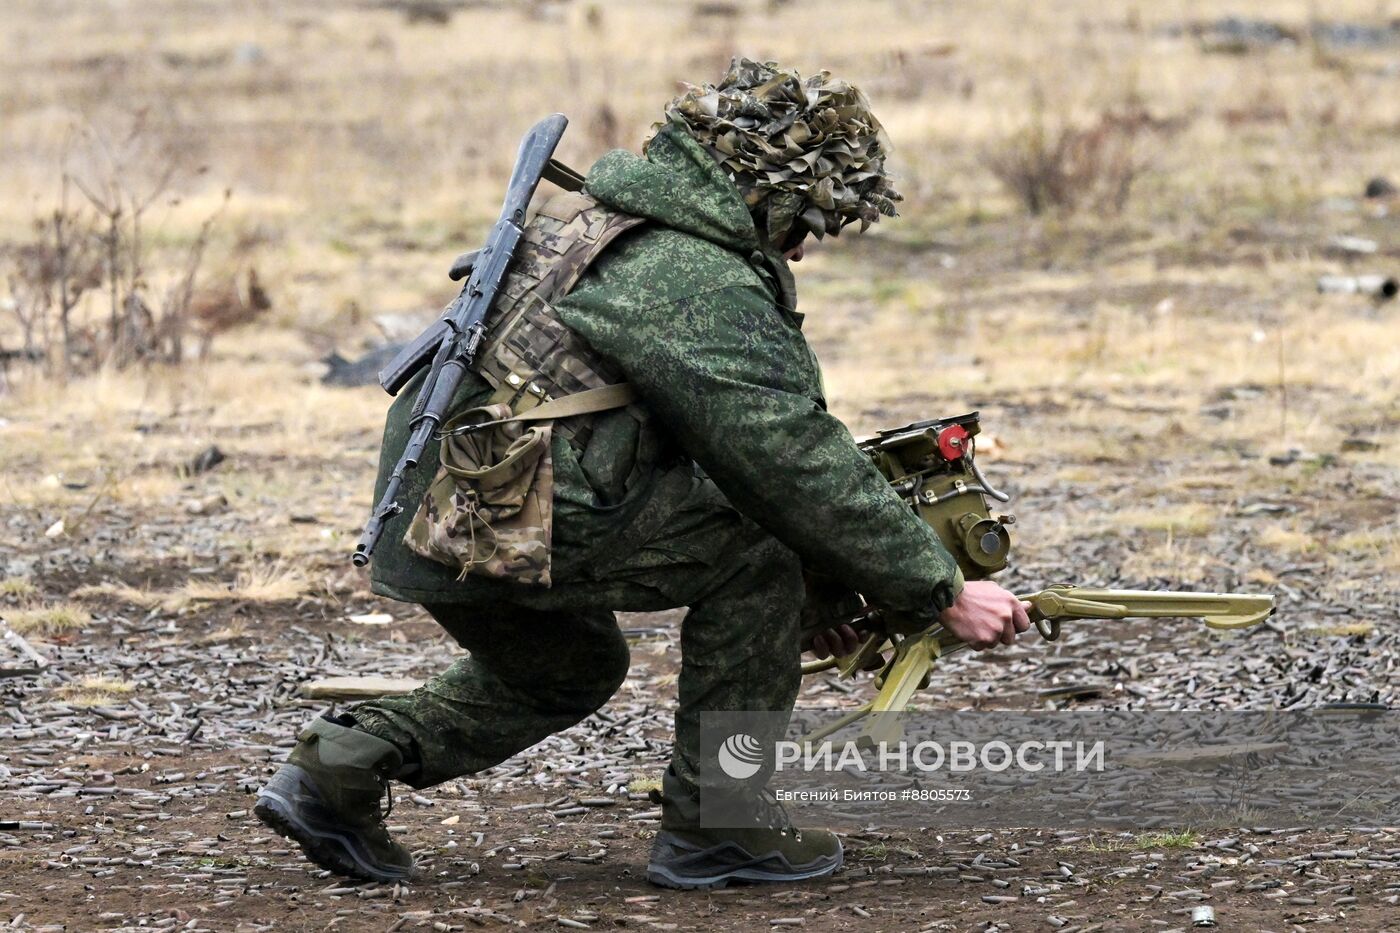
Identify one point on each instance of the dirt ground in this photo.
(137, 814)
(131, 767)
(1164, 391)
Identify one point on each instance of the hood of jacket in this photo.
(679, 185)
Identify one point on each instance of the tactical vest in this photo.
(489, 509)
(529, 356)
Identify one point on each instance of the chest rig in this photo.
(489, 509)
(529, 356)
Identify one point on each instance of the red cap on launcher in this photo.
(952, 442)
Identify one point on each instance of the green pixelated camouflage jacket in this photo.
(701, 320)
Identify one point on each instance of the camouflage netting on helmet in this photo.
(807, 153)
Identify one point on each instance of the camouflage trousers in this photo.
(541, 660)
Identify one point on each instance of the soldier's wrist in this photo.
(945, 594)
(913, 620)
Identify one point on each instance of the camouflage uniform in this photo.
(737, 480)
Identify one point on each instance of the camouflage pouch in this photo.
(489, 509)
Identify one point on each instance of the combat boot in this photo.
(684, 855)
(327, 799)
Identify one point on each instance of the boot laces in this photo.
(768, 811)
(771, 812)
(388, 806)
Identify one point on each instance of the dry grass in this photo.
(58, 619)
(1261, 576)
(232, 632)
(1293, 541)
(1176, 521)
(1078, 474)
(261, 583)
(93, 691)
(18, 587)
(358, 177)
(102, 593)
(1170, 560)
(1375, 547)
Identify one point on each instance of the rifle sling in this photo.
(563, 176)
(587, 402)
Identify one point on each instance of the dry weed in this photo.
(1188, 520)
(1378, 548)
(20, 588)
(265, 582)
(1289, 541)
(93, 691)
(1261, 576)
(1171, 559)
(133, 595)
(47, 620)
(232, 632)
(1080, 475)
(1074, 165)
(1342, 630)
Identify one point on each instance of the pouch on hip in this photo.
(488, 511)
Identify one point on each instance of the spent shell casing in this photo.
(1376, 286)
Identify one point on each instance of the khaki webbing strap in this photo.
(563, 176)
(587, 402)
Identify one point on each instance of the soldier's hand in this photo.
(985, 615)
(840, 640)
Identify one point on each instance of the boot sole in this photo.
(742, 867)
(332, 849)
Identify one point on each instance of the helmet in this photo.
(807, 153)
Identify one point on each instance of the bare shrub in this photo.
(81, 293)
(48, 277)
(223, 307)
(1074, 166)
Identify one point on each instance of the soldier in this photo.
(717, 482)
